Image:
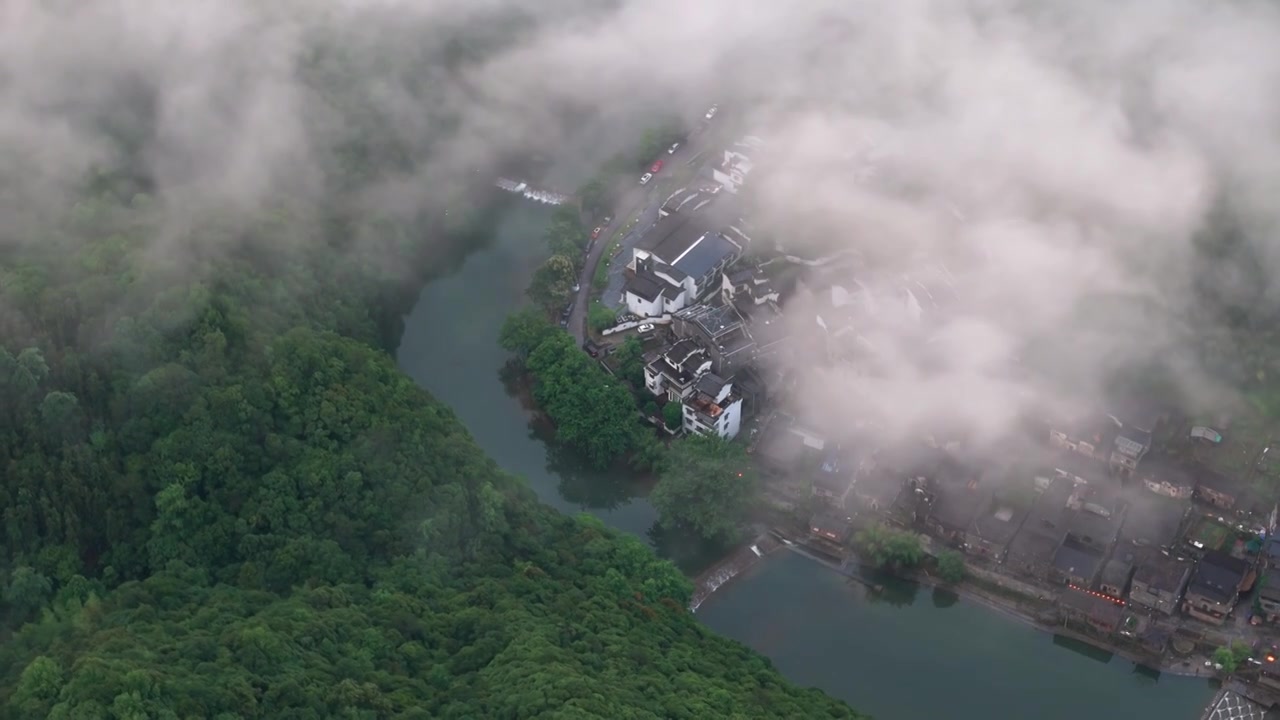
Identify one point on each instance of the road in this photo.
(642, 202)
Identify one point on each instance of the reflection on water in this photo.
(1083, 648)
(890, 590)
(943, 599)
(905, 660)
(1144, 675)
(691, 553)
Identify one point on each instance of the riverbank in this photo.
(1016, 605)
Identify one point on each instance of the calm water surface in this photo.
(919, 657)
(919, 654)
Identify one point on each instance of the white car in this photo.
(672, 150)
(645, 328)
(645, 178)
(712, 112)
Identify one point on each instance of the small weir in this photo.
(548, 197)
(744, 558)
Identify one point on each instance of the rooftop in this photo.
(674, 273)
(1230, 484)
(1097, 429)
(680, 361)
(706, 405)
(1116, 572)
(673, 236)
(1091, 528)
(1076, 558)
(1044, 527)
(781, 448)
(1230, 705)
(958, 493)
(705, 253)
(711, 384)
(1270, 586)
(644, 284)
(1098, 609)
(879, 486)
(1161, 572)
(999, 521)
(1218, 576)
(1159, 467)
(1088, 469)
(1151, 520)
(1136, 414)
(714, 320)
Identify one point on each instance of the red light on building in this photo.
(1117, 601)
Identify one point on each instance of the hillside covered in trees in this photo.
(221, 499)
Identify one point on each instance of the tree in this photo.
(601, 316)
(524, 330)
(1231, 656)
(61, 418)
(26, 591)
(630, 359)
(708, 485)
(889, 548)
(553, 282)
(592, 411)
(565, 235)
(951, 566)
(673, 414)
(592, 195)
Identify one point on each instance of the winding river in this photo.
(913, 654)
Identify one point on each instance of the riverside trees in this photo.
(707, 485)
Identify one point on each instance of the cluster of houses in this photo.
(724, 320)
(1129, 534)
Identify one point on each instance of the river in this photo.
(915, 656)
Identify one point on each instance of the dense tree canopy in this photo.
(236, 506)
(221, 499)
(707, 485)
(889, 548)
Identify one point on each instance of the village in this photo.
(1137, 527)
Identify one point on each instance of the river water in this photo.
(916, 655)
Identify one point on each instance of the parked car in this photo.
(564, 316)
(605, 222)
(645, 178)
(596, 233)
(647, 327)
(672, 150)
(656, 167)
(577, 287)
(592, 349)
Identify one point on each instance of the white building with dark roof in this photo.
(673, 372)
(713, 408)
(680, 260)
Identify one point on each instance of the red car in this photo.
(596, 233)
(656, 167)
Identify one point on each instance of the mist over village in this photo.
(430, 358)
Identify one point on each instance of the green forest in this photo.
(221, 499)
